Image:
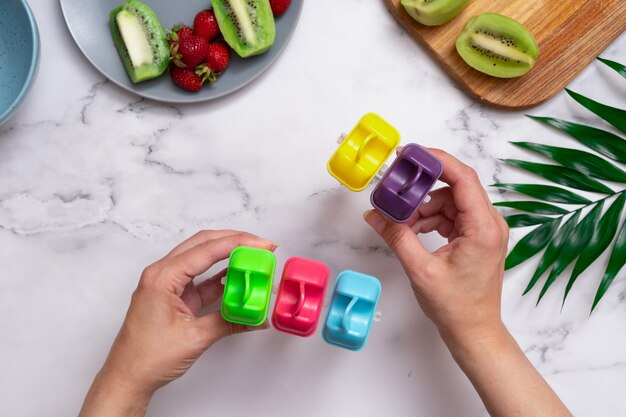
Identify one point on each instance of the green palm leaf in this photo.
(523, 220)
(613, 115)
(599, 242)
(536, 207)
(616, 262)
(621, 69)
(553, 250)
(579, 239)
(562, 175)
(531, 244)
(601, 141)
(546, 192)
(576, 241)
(583, 162)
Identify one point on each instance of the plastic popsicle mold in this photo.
(351, 310)
(248, 286)
(300, 296)
(363, 152)
(406, 183)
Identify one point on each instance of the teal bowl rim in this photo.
(34, 65)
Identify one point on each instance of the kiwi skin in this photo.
(433, 12)
(497, 45)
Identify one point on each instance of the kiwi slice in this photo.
(433, 12)
(497, 45)
(140, 40)
(247, 25)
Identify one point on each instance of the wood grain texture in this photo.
(570, 34)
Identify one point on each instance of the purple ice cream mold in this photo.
(406, 183)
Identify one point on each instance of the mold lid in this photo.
(360, 156)
(406, 183)
(352, 310)
(248, 286)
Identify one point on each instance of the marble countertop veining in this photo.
(96, 183)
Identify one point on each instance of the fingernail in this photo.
(270, 243)
(375, 220)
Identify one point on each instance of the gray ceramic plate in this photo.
(87, 21)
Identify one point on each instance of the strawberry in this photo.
(187, 78)
(218, 57)
(190, 51)
(279, 6)
(184, 32)
(205, 25)
(178, 32)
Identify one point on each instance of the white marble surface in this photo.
(95, 184)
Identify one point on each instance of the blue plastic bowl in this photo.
(19, 54)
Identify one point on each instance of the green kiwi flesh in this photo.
(497, 45)
(433, 12)
(140, 40)
(247, 25)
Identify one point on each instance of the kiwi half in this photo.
(140, 40)
(247, 25)
(433, 12)
(497, 45)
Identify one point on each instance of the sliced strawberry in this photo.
(218, 57)
(279, 6)
(205, 25)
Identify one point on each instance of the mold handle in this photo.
(347, 315)
(412, 180)
(247, 292)
(361, 150)
(300, 303)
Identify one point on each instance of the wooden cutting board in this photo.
(570, 34)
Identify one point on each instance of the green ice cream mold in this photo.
(248, 286)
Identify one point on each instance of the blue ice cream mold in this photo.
(351, 310)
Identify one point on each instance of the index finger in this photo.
(469, 195)
(182, 268)
(199, 237)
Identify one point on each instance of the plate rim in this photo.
(190, 100)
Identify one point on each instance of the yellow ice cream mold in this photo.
(363, 152)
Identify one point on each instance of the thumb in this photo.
(216, 328)
(401, 239)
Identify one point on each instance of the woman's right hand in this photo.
(459, 285)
